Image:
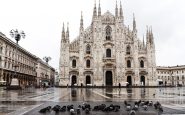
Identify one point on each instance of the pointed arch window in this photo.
(88, 63)
(128, 50)
(73, 63)
(142, 64)
(128, 63)
(88, 49)
(108, 53)
(108, 33)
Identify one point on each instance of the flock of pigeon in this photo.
(138, 105)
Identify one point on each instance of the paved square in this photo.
(31, 100)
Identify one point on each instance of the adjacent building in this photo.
(171, 75)
(21, 64)
(45, 73)
(107, 53)
(20, 60)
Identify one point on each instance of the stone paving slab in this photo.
(17, 107)
(151, 110)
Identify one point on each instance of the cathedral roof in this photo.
(108, 14)
(108, 17)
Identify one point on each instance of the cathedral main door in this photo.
(88, 79)
(142, 80)
(73, 80)
(108, 79)
(129, 80)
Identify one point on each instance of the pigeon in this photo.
(72, 111)
(56, 108)
(46, 109)
(78, 110)
(132, 112)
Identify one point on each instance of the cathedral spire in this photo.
(121, 11)
(94, 11)
(147, 35)
(81, 22)
(134, 23)
(99, 10)
(116, 10)
(151, 35)
(63, 31)
(143, 40)
(67, 32)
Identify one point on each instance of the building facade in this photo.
(171, 75)
(45, 73)
(20, 60)
(107, 53)
(30, 70)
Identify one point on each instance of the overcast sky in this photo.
(42, 22)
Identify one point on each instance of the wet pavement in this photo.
(28, 101)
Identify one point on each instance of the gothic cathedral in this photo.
(107, 53)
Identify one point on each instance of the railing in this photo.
(109, 59)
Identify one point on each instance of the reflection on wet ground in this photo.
(14, 100)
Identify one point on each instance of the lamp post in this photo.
(47, 58)
(17, 35)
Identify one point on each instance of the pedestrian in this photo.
(44, 86)
(119, 85)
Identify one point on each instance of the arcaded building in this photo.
(23, 65)
(171, 75)
(19, 63)
(108, 53)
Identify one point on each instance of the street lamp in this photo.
(47, 59)
(17, 35)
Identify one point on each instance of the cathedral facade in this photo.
(107, 53)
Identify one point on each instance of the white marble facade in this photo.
(107, 53)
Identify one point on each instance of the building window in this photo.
(5, 64)
(88, 49)
(88, 63)
(108, 33)
(128, 50)
(128, 63)
(177, 77)
(141, 63)
(0, 62)
(1, 49)
(108, 53)
(74, 63)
